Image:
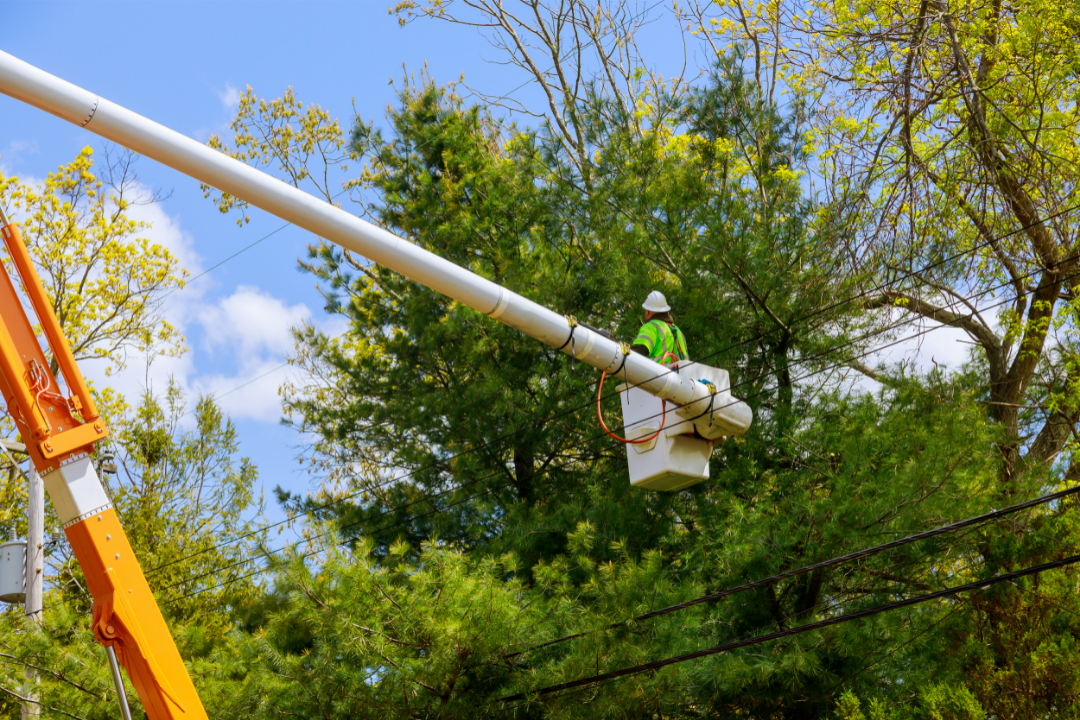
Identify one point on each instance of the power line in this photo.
(239, 252)
(823, 606)
(222, 262)
(839, 560)
(819, 607)
(295, 545)
(600, 435)
(797, 630)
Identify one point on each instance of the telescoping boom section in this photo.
(59, 427)
(20, 80)
(666, 454)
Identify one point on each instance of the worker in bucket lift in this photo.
(659, 335)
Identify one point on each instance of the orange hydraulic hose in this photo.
(49, 324)
(11, 368)
(600, 415)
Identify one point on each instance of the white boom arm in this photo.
(36, 87)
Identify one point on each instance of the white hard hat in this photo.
(656, 302)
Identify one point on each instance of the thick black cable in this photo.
(831, 562)
(799, 629)
(821, 606)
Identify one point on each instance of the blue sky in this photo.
(182, 64)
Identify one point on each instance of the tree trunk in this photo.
(524, 461)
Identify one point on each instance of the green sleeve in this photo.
(647, 336)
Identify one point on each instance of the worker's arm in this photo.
(59, 430)
(647, 338)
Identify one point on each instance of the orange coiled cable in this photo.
(663, 404)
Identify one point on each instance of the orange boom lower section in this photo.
(127, 617)
(59, 426)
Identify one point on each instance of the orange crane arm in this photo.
(59, 430)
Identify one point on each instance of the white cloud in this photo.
(254, 328)
(240, 340)
(229, 97)
(252, 395)
(165, 230)
(252, 323)
(18, 148)
(177, 309)
(248, 331)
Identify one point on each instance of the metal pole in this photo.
(35, 545)
(118, 681)
(35, 577)
(35, 553)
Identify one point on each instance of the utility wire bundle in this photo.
(800, 629)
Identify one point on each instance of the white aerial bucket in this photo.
(676, 458)
(13, 571)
